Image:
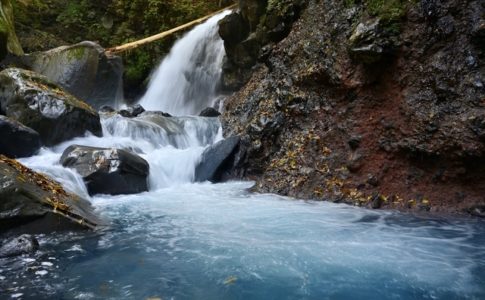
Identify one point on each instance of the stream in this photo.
(186, 240)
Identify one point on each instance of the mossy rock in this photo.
(83, 69)
(36, 102)
(9, 42)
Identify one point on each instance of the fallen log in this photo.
(153, 38)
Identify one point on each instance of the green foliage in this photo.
(388, 10)
(113, 23)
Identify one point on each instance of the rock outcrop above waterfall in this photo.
(16, 139)
(32, 202)
(218, 161)
(85, 70)
(247, 32)
(107, 170)
(36, 102)
(373, 105)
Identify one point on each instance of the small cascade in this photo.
(184, 84)
(187, 80)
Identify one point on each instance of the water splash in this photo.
(187, 80)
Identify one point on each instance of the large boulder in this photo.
(84, 70)
(217, 160)
(31, 202)
(108, 170)
(17, 140)
(36, 102)
(9, 42)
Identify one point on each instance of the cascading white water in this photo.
(184, 84)
(186, 81)
(201, 241)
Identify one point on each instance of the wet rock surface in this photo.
(132, 111)
(401, 130)
(23, 244)
(17, 140)
(209, 112)
(108, 170)
(34, 101)
(248, 31)
(33, 203)
(217, 161)
(85, 70)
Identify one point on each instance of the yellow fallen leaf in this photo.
(230, 280)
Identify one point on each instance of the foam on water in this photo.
(184, 240)
(203, 241)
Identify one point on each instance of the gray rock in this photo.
(233, 29)
(84, 70)
(17, 140)
(217, 160)
(132, 111)
(34, 101)
(108, 171)
(209, 112)
(33, 203)
(23, 244)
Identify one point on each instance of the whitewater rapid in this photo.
(185, 240)
(186, 81)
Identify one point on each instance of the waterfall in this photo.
(186, 82)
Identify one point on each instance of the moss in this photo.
(76, 53)
(7, 28)
(388, 10)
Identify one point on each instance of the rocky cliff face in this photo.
(382, 107)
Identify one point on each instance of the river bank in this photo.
(380, 107)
